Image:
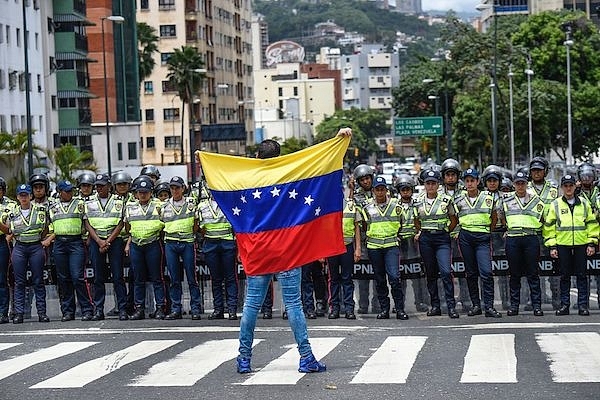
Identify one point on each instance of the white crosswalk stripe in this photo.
(192, 365)
(284, 370)
(17, 364)
(571, 357)
(87, 372)
(481, 368)
(392, 361)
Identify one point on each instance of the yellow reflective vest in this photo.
(566, 226)
(144, 221)
(66, 219)
(213, 221)
(179, 220)
(476, 216)
(523, 219)
(383, 224)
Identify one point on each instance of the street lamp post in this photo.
(117, 19)
(494, 127)
(192, 124)
(529, 73)
(512, 119)
(568, 43)
(27, 94)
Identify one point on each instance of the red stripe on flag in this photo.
(284, 249)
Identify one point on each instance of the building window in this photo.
(167, 31)
(148, 87)
(171, 114)
(144, 5)
(1, 36)
(53, 101)
(67, 103)
(18, 34)
(166, 4)
(120, 151)
(131, 150)
(172, 142)
(164, 57)
(150, 114)
(2, 79)
(3, 123)
(7, 34)
(295, 90)
(150, 143)
(22, 81)
(280, 91)
(168, 86)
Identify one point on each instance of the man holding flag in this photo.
(286, 211)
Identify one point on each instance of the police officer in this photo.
(340, 267)
(363, 176)
(151, 171)
(181, 224)
(66, 228)
(435, 217)
(220, 253)
(6, 207)
(522, 212)
(85, 184)
(162, 190)
(28, 223)
(40, 185)
(408, 247)
(382, 223)
(571, 232)
(142, 222)
(122, 185)
(538, 170)
(476, 211)
(451, 185)
(104, 222)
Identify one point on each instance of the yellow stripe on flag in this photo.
(228, 173)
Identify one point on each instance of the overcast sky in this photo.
(456, 5)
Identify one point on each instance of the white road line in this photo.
(573, 356)
(192, 365)
(284, 370)
(17, 364)
(89, 371)
(4, 346)
(392, 361)
(481, 367)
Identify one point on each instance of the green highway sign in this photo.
(423, 126)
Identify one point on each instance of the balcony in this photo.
(83, 79)
(79, 6)
(85, 116)
(190, 10)
(191, 36)
(81, 42)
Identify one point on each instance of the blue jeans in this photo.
(437, 259)
(386, 262)
(257, 285)
(29, 257)
(146, 262)
(69, 257)
(220, 257)
(187, 251)
(523, 255)
(4, 257)
(476, 251)
(340, 276)
(115, 257)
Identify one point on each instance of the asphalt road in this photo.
(431, 358)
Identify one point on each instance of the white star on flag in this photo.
(256, 194)
(275, 192)
(308, 200)
(243, 199)
(318, 211)
(293, 194)
(236, 211)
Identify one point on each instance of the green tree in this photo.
(13, 153)
(147, 46)
(69, 159)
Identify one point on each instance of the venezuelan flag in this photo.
(286, 211)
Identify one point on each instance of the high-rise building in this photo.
(118, 48)
(221, 118)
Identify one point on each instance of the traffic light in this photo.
(390, 148)
(356, 152)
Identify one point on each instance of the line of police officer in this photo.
(531, 215)
(109, 226)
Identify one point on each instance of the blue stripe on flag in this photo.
(283, 205)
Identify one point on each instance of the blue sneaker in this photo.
(310, 364)
(243, 365)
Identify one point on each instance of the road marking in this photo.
(573, 356)
(481, 367)
(4, 346)
(192, 365)
(284, 370)
(392, 361)
(17, 364)
(92, 370)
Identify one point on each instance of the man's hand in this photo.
(345, 132)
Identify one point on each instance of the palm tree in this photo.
(69, 159)
(147, 46)
(184, 73)
(13, 152)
